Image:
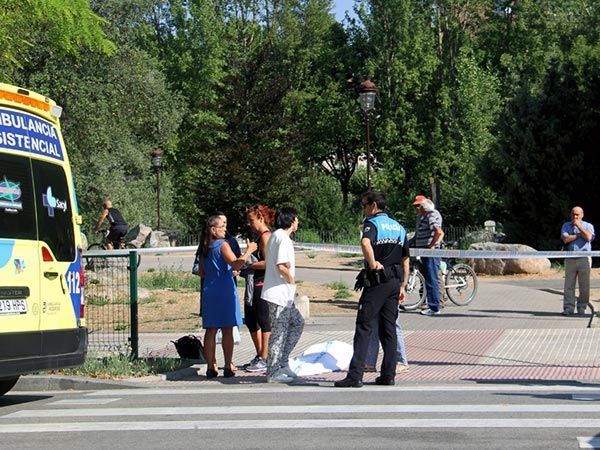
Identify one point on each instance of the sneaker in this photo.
(370, 369)
(402, 367)
(289, 372)
(279, 377)
(259, 366)
(430, 312)
(251, 363)
(567, 313)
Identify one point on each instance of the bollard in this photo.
(303, 305)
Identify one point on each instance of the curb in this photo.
(66, 383)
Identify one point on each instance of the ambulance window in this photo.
(55, 223)
(17, 211)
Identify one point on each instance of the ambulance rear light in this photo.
(46, 255)
(22, 97)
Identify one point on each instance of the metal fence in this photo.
(111, 301)
(111, 289)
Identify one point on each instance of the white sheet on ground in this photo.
(324, 357)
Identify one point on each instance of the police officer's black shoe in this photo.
(348, 382)
(385, 381)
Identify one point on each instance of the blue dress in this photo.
(220, 303)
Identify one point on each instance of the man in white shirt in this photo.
(279, 291)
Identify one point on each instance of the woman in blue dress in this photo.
(220, 304)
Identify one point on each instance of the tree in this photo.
(62, 26)
(437, 104)
(327, 127)
(546, 161)
(116, 110)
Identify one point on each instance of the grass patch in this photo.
(342, 293)
(341, 289)
(311, 255)
(348, 255)
(337, 285)
(121, 366)
(120, 326)
(97, 301)
(170, 280)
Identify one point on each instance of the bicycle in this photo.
(101, 263)
(459, 281)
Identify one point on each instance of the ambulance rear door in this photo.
(19, 251)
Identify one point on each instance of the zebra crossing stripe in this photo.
(83, 401)
(297, 424)
(304, 409)
(300, 390)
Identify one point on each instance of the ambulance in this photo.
(42, 324)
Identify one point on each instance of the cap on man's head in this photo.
(419, 199)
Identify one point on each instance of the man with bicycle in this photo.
(118, 226)
(429, 234)
(385, 249)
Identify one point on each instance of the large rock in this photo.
(157, 239)
(495, 266)
(138, 235)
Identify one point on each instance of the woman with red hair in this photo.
(256, 310)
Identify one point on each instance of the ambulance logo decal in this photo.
(52, 202)
(10, 193)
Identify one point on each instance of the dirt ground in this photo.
(166, 310)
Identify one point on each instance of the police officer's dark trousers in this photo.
(376, 303)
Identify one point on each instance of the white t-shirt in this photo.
(280, 250)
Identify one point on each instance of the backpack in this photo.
(189, 347)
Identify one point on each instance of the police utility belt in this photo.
(369, 278)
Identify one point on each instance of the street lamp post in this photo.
(367, 94)
(157, 164)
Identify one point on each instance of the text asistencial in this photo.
(24, 132)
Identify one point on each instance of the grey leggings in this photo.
(287, 325)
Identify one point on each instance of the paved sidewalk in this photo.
(507, 333)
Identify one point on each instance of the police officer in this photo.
(385, 249)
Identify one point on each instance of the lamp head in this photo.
(367, 94)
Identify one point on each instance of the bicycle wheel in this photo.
(94, 262)
(415, 290)
(461, 284)
(130, 246)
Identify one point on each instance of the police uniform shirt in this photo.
(388, 239)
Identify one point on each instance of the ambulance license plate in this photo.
(13, 306)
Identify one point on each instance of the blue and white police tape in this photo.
(460, 254)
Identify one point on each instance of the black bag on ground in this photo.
(189, 347)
